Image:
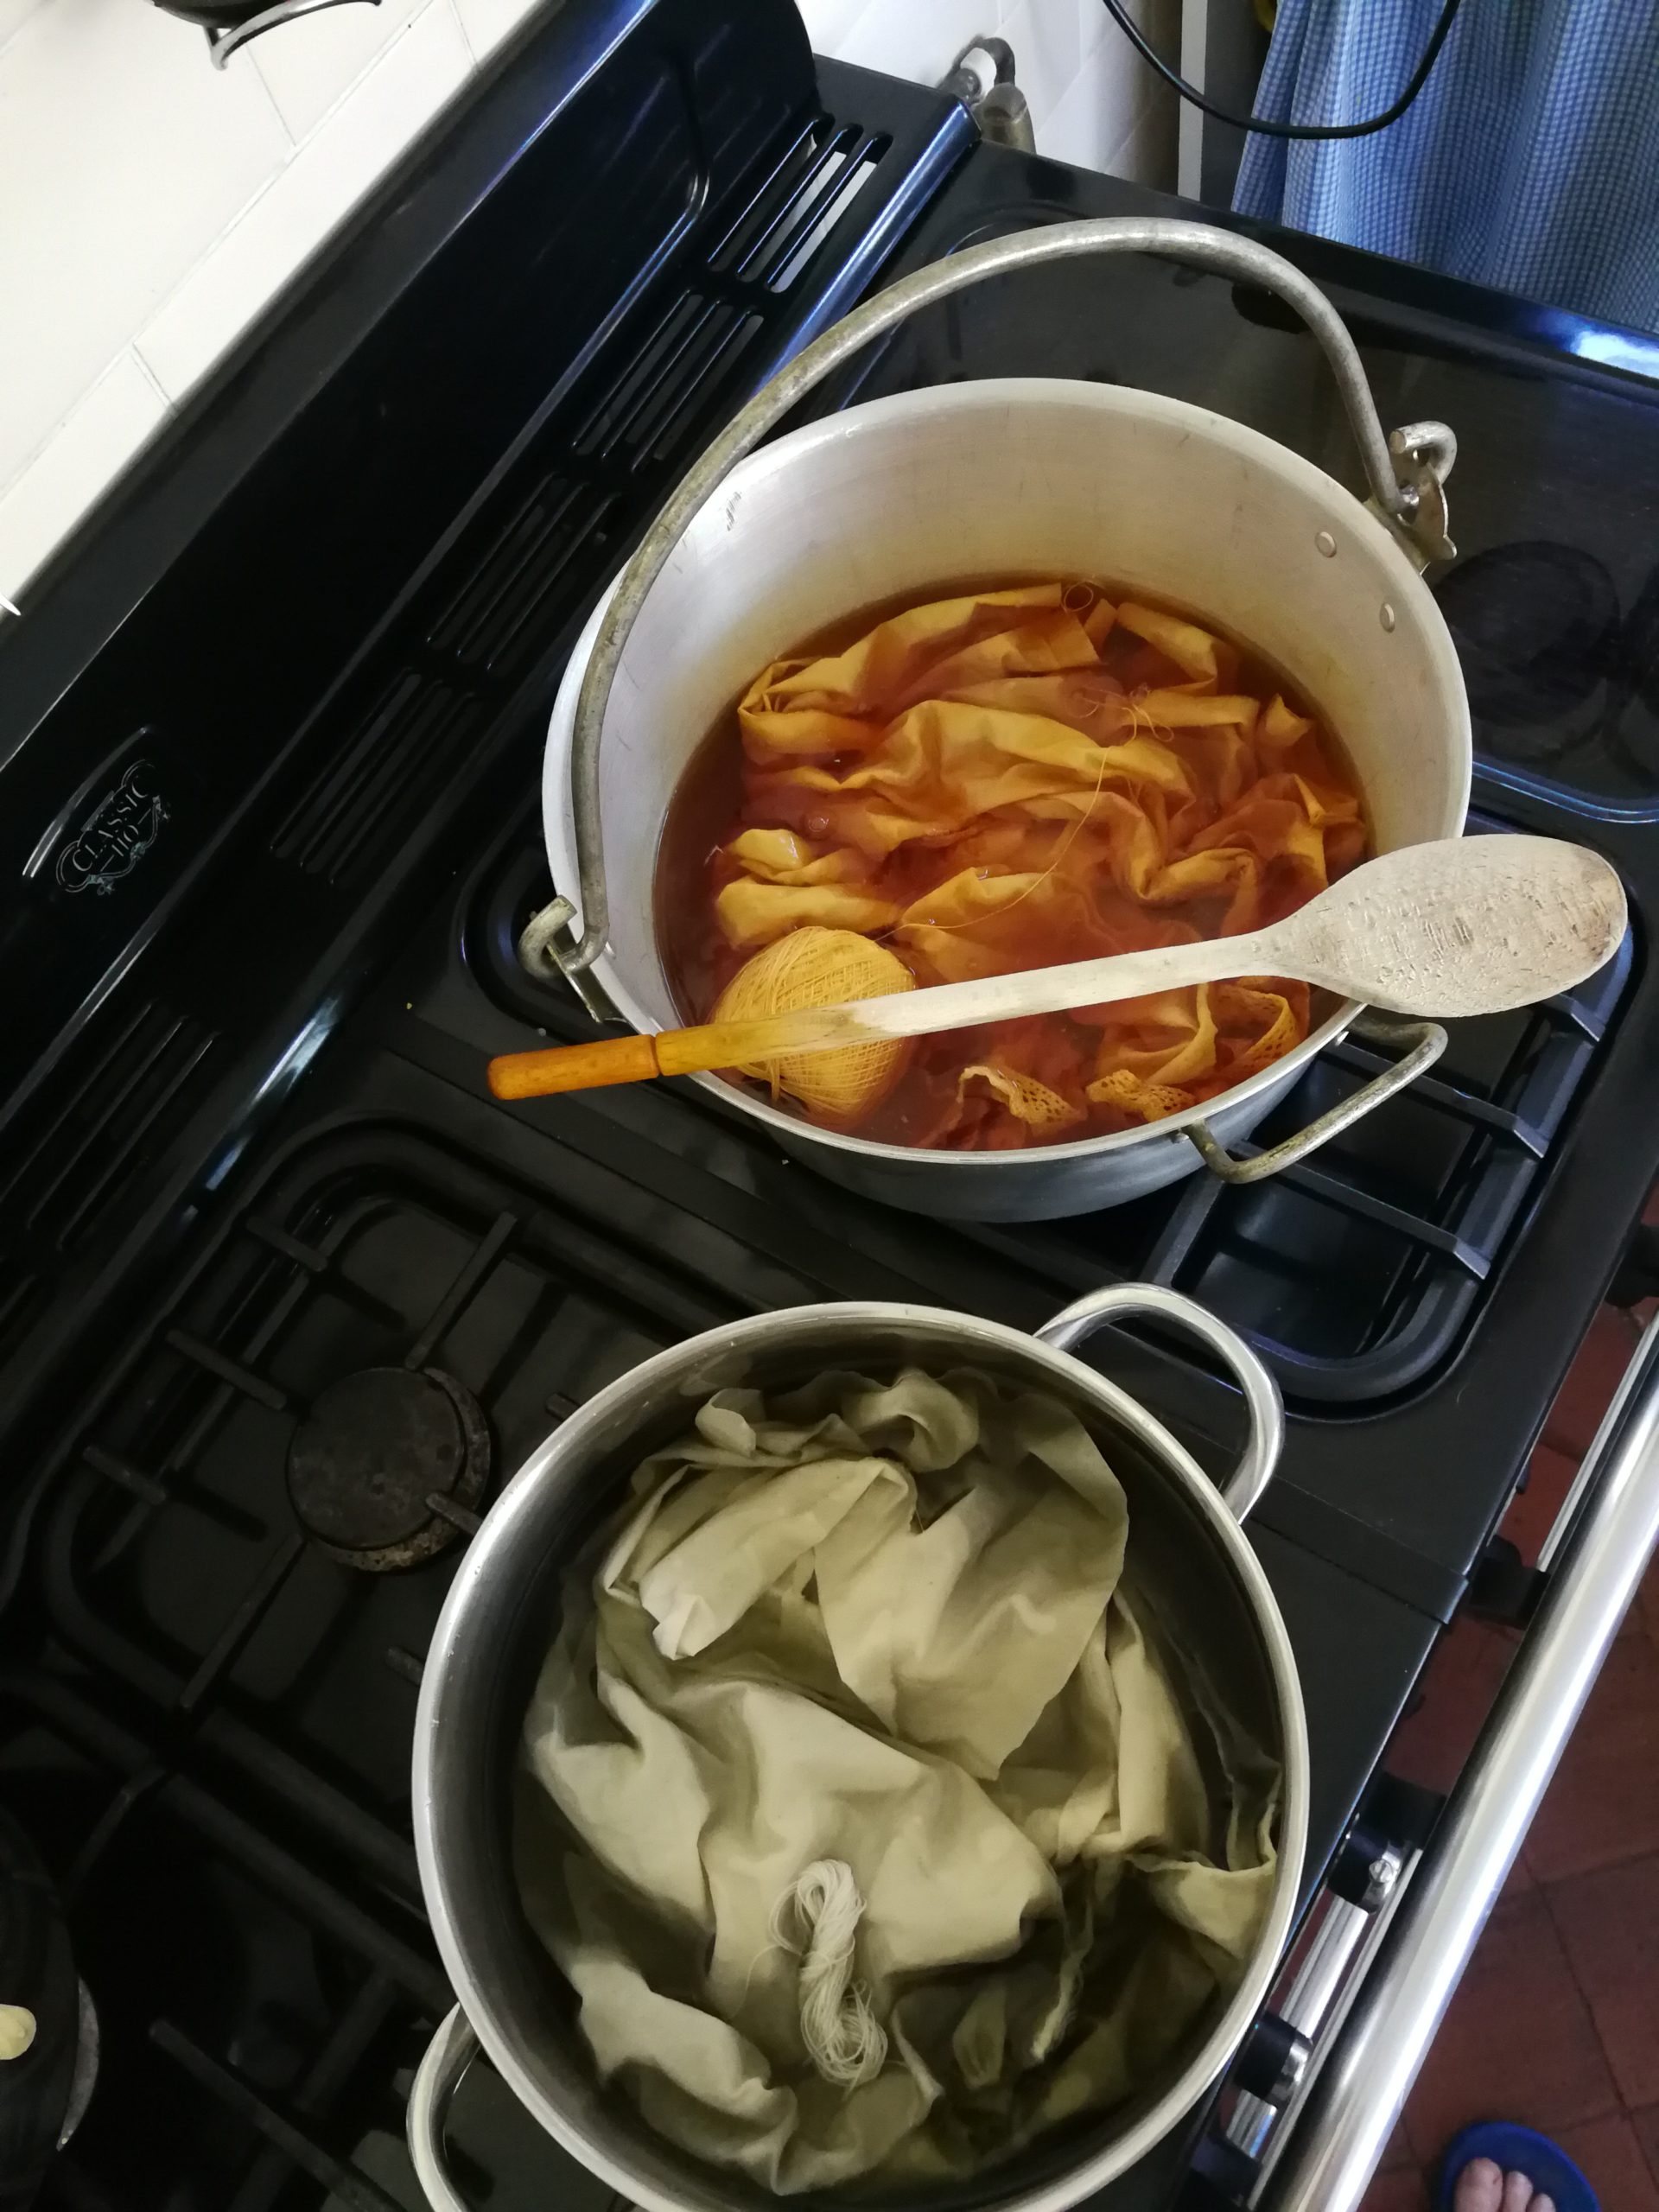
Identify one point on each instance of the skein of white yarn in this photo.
(845, 2041)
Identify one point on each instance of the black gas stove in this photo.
(270, 741)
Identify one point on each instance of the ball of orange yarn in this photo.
(820, 967)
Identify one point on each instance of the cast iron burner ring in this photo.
(375, 1449)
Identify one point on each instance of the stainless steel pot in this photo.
(1188, 1558)
(1010, 476)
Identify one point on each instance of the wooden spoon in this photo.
(1467, 925)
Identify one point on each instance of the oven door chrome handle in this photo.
(1597, 1555)
(451, 2052)
(1396, 477)
(1263, 1407)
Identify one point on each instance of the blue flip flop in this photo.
(1517, 2149)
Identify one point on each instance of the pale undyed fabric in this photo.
(851, 1719)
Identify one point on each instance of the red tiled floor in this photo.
(1518, 2042)
(1646, 1608)
(1646, 2124)
(1609, 1925)
(1402, 2191)
(1519, 1879)
(1604, 1804)
(1532, 1510)
(1594, 1375)
(1611, 2159)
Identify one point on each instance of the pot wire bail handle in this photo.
(1264, 1408)
(1405, 476)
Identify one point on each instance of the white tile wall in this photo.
(123, 409)
(12, 13)
(1113, 114)
(427, 62)
(124, 154)
(828, 21)
(153, 205)
(1093, 100)
(486, 22)
(308, 65)
(917, 38)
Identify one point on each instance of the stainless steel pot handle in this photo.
(451, 2052)
(1400, 474)
(1262, 1404)
(1427, 1040)
(1595, 1556)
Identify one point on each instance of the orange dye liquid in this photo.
(1238, 803)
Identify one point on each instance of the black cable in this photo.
(1418, 79)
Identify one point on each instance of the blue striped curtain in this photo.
(1529, 161)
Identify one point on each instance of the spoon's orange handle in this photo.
(574, 1067)
(678, 1052)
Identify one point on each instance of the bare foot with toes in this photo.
(1483, 2187)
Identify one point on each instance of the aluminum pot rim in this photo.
(992, 393)
(499, 1530)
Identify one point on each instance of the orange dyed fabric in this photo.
(1012, 778)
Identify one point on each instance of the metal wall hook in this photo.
(981, 77)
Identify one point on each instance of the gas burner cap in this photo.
(375, 1449)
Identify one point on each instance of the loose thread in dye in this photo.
(845, 2041)
(1137, 716)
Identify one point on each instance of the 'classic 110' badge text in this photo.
(116, 835)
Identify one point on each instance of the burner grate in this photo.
(206, 1550)
(236, 1697)
(318, 2001)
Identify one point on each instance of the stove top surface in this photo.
(229, 1689)
(259, 1210)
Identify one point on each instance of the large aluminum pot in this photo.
(1010, 476)
(1188, 1558)
(1006, 477)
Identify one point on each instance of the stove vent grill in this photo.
(72, 1159)
(401, 752)
(522, 569)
